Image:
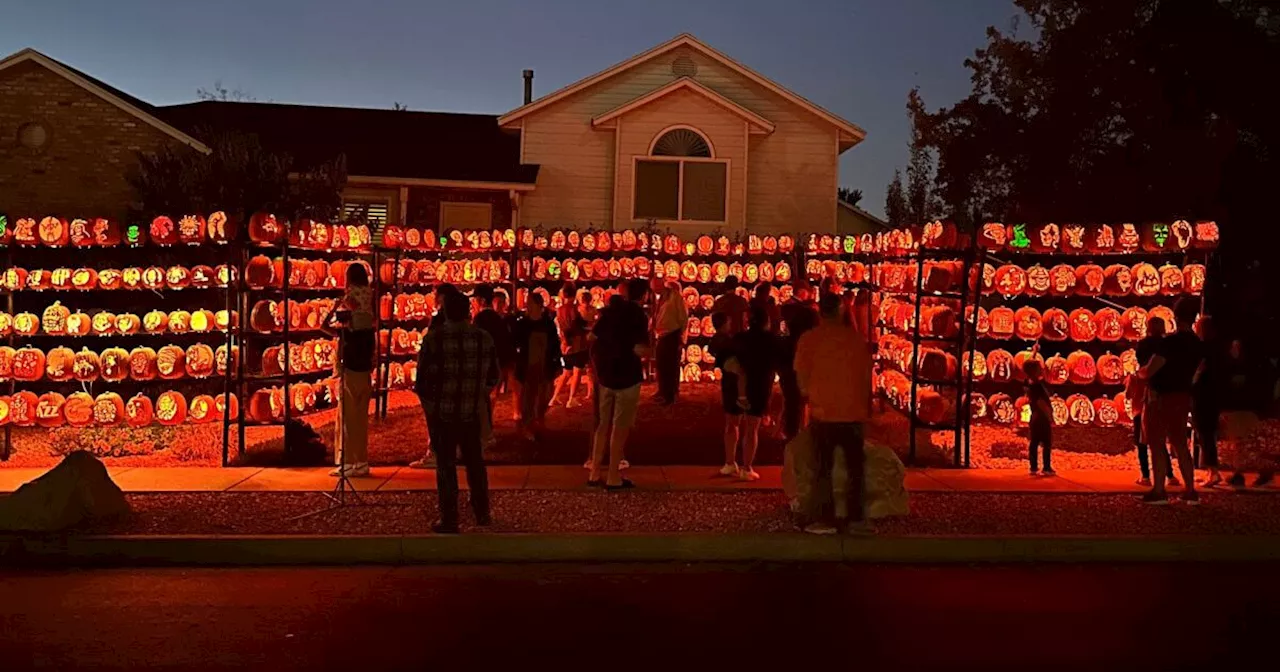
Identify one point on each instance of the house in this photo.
(850, 219)
(681, 136)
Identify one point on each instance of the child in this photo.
(1041, 416)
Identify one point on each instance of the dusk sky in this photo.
(857, 58)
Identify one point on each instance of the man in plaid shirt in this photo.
(457, 368)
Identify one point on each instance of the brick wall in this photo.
(90, 146)
(424, 204)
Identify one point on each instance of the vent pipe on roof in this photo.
(528, 87)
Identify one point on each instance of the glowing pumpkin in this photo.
(1170, 279)
(199, 361)
(1003, 322)
(60, 364)
(994, 236)
(179, 322)
(226, 406)
(1002, 408)
(139, 411)
(1110, 369)
(171, 408)
(1193, 276)
(1046, 238)
(6, 408)
(1129, 362)
(1206, 235)
(22, 408)
(80, 233)
(1089, 280)
(131, 278)
(1109, 325)
(1062, 280)
(49, 409)
(1074, 238)
(202, 321)
(1128, 238)
(6, 324)
(1080, 410)
(110, 278)
(1056, 371)
(142, 364)
(54, 231)
(55, 319)
(86, 366)
(163, 231)
(265, 228)
(171, 362)
(1081, 367)
(977, 365)
(1038, 281)
(108, 409)
(26, 324)
(24, 231)
(221, 228)
(84, 279)
(1000, 366)
(1134, 323)
(153, 278)
(223, 363)
(1010, 280)
(1028, 323)
(79, 324)
(1020, 363)
(1118, 280)
(1165, 313)
(1083, 327)
(260, 272)
(201, 409)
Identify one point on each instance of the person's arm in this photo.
(491, 375)
(804, 362)
(426, 374)
(1156, 363)
(641, 336)
(554, 350)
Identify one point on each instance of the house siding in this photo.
(790, 186)
(724, 129)
(92, 145)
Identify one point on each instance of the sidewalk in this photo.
(670, 478)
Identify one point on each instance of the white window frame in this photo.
(461, 206)
(358, 201)
(680, 219)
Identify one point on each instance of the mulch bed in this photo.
(659, 512)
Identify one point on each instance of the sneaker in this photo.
(748, 475)
(588, 464)
(1174, 482)
(1191, 498)
(428, 462)
(1156, 499)
(445, 528)
(1144, 482)
(820, 528)
(572, 403)
(361, 469)
(1033, 473)
(729, 470)
(624, 465)
(1049, 472)
(339, 471)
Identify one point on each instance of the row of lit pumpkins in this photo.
(268, 316)
(936, 276)
(300, 358)
(1077, 368)
(1177, 236)
(58, 320)
(930, 405)
(1081, 324)
(109, 409)
(262, 272)
(154, 277)
(1076, 409)
(62, 364)
(630, 240)
(429, 271)
(268, 404)
(641, 267)
(102, 232)
(1143, 280)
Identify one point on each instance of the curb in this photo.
(401, 550)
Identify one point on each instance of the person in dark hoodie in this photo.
(619, 340)
(537, 346)
(495, 325)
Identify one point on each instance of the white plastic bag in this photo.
(884, 476)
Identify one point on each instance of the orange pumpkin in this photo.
(171, 362)
(60, 364)
(1010, 280)
(220, 227)
(1081, 367)
(262, 318)
(264, 407)
(1102, 238)
(1003, 322)
(260, 272)
(1089, 280)
(139, 411)
(26, 324)
(6, 324)
(1170, 279)
(163, 231)
(142, 364)
(226, 406)
(1000, 366)
(1002, 409)
(1110, 369)
(171, 408)
(131, 278)
(199, 361)
(22, 408)
(28, 364)
(1056, 325)
(179, 322)
(273, 361)
(154, 322)
(1105, 412)
(49, 409)
(153, 278)
(54, 231)
(1165, 313)
(1056, 371)
(265, 228)
(1083, 327)
(201, 409)
(55, 319)
(1146, 280)
(1206, 235)
(222, 363)
(1109, 325)
(1020, 363)
(1193, 277)
(1028, 323)
(1080, 410)
(1129, 362)
(6, 408)
(60, 278)
(224, 320)
(201, 321)
(86, 366)
(1134, 323)
(79, 410)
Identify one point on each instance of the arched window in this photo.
(681, 142)
(680, 180)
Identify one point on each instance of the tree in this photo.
(921, 200)
(239, 175)
(221, 93)
(850, 196)
(895, 201)
(399, 106)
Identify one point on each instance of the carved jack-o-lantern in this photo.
(1089, 280)
(1056, 370)
(191, 229)
(1074, 238)
(87, 366)
(1002, 408)
(1000, 366)
(1156, 237)
(163, 231)
(1081, 367)
(115, 364)
(221, 227)
(994, 236)
(1110, 369)
(139, 411)
(108, 409)
(1170, 279)
(1046, 238)
(54, 231)
(153, 278)
(1062, 280)
(171, 408)
(1003, 322)
(201, 409)
(1056, 325)
(171, 362)
(1080, 410)
(1134, 323)
(110, 278)
(1129, 363)
(1193, 276)
(1083, 327)
(1146, 280)
(1102, 238)
(26, 324)
(1010, 280)
(22, 408)
(1206, 235)
(1181, 235)
(199, 361)
(49, 409)
(1128, 238)
(81, 233)
(142, 364)
(1165, 313)
(55, 319)
(1105, 412)
(1028, 323)
(1038, 280)
(1118, 280)
(131, 278)
(1109, 325)
(60, 364)
(265, 228)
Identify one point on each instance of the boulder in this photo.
(78, 490)
(884, 477)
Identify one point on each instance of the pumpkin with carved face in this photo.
(54, 231)
(171, 408)
(1075, 238)
(1110, 327)
(1046, 238)
(1125, 407)
(1062, 280)
(1110, 369)
(1010, 280)
(1003, 322)
(80, 233)
(1118, 280)
(1038, 281)
(1105, 412)
(1083, 327)
(1000, 366)
(22, 408)
(265, 228)
(1056, 371)
(1129, 363)
(1128, 238)
(994, 236)
(977, 366)
(1002, 408)
(86, 366)
(977, 406)
(1170, 280)
(1089, 280)
(1157, 237)
(1080, 409)
(1081, 367)
(55, 319)
(1146, 280)
(139, 411)
(1028, 323)
(1193, 276)
(1134, 323)
(115, 364)
(108, 409)
(981, 322)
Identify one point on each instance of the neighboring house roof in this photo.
(864, 214)
(138, 108)
(686, 40)
(761, 124)
(409, 147)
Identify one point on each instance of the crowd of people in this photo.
(476, 349)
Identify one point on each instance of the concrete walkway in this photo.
(390, 479)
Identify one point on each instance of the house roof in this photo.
(864, 214)
(136, 107)
(854, 133)
(384, 143)
(761, 124)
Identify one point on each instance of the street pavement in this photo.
(656, 617)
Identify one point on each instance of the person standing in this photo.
(537, 363)
(799, 315)
(355, 315)
(755, 357)
(669, 327)
(833, 370)
(573, 345)
(457, 369)
(1041, 425)
(1207, 396)
(733, 305)
(763, 300)
(1169, 375)
(511, 388)
(443, 291)
(1136, 393)
(618, 342)
(495, 325)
